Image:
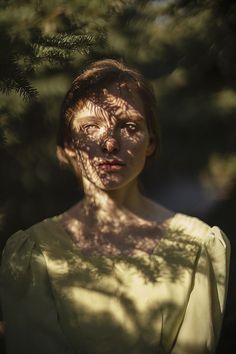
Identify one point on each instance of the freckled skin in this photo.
(114, 217)
(112, 127)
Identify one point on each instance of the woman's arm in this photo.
(28, 305)
(200, 329)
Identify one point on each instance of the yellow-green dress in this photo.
(55, 300)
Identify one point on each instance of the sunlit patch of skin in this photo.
(114, 232)
(114, 217)
(113, 238)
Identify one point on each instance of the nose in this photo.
(110, 145)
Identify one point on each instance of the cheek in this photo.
(87, 147)
(136, 145)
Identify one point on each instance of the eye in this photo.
(130, 126)
(90, 128)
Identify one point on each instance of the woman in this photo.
(117, 272)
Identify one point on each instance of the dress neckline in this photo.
(53, 222)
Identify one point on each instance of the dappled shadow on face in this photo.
(110, 125)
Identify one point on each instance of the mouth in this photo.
(111, 165)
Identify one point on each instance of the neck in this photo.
(112, 202)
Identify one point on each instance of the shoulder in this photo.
(17, 243)
(16, 261)
(191, 226)
(21, 246)
(24, 238)
(186, 226)
(212, 238)
(23, 258)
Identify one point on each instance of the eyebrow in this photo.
(137, 117)
(85, 118)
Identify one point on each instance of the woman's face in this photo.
(110, 138)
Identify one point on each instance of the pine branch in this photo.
(14, 77)
(67, 41)
(52, 55)
(24, 47)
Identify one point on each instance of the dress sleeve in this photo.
(201, 325)
(28, 305)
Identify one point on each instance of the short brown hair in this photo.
(98, 75)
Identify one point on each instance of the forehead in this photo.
(119, 100)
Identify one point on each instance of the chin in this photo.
(112, 181)
(110, 185)
(117, 182)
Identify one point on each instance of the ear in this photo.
(69, 152)
(151, 146)
(65, 155)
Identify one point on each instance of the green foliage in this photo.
(32, 35)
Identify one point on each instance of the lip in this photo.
(111, 165)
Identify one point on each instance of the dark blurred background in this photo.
(186, 49)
